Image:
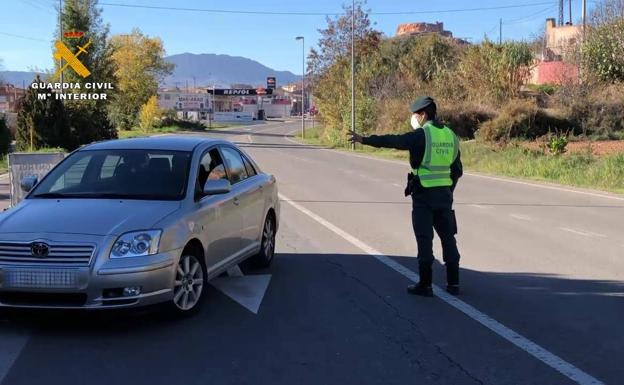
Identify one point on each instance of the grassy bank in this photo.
(576, 169)
(3, 164)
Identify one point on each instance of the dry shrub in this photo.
(394, 116)
(523, 119)
(594, 108)
(465, 119)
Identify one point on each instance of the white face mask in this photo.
(414, 122)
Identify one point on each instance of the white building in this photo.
(193, 106)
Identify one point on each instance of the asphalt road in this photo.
(542, 301)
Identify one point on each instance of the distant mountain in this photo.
(18, 78)
(223, 70)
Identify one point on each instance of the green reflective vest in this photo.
(441, 149)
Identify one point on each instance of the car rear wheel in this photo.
(189, 285)
(267, 247)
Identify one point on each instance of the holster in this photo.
(413, 185)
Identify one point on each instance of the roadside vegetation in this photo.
(580, 168)
(483, 94)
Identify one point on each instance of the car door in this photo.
(221, 220)
(249, 194)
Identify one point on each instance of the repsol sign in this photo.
(240, 91)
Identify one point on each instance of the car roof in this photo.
(165, 142)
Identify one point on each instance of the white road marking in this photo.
(3, 176)
(545, 186)
(521, 217)
(479, 206)
(508, 180)
(543, 355)
(396, 185)
(583, 233)
(247, 290)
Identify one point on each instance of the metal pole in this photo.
(570, 9)
(60, 35)
(213, 101)
(303, 87)
(500, 31)
(584, 16)
(353, 70)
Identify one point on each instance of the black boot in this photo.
(452, 278)
(423, 288)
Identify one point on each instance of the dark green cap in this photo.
(421, 103)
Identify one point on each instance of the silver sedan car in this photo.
(134, 222)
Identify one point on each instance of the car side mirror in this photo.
(28, 182)
(217, 186)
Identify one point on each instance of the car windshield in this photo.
(118, 174)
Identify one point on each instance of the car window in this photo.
(136, 174)
(210, 167)
(73, 176)
(109, 165)
(251, 171)
(234, 163)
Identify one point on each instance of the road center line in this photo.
(582, 233)
(521, 217)
(550, 359)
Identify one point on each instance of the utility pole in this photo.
(584, 16)
(570, 10)
(302, 84)
(500, 31)
(353, 70)
(60, 35)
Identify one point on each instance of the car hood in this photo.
(84, 216)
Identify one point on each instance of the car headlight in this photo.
(136, 244)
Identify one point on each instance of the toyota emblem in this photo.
(39, 249)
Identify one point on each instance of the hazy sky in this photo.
(27, 26)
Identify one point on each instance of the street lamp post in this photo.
(302, 84)
(353, 70)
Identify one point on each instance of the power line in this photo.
(23, 37)
(229, 11)
(529, 17)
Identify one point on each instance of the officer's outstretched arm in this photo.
(398, 142)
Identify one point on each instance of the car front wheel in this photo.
(188, 289)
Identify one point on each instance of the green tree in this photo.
(41, 123)
(88, 118)
(495, 72)
(141, 65)
(331, 69)
(603, 51)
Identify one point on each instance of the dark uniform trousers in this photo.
(425, 218)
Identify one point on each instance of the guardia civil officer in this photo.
(436, 168)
